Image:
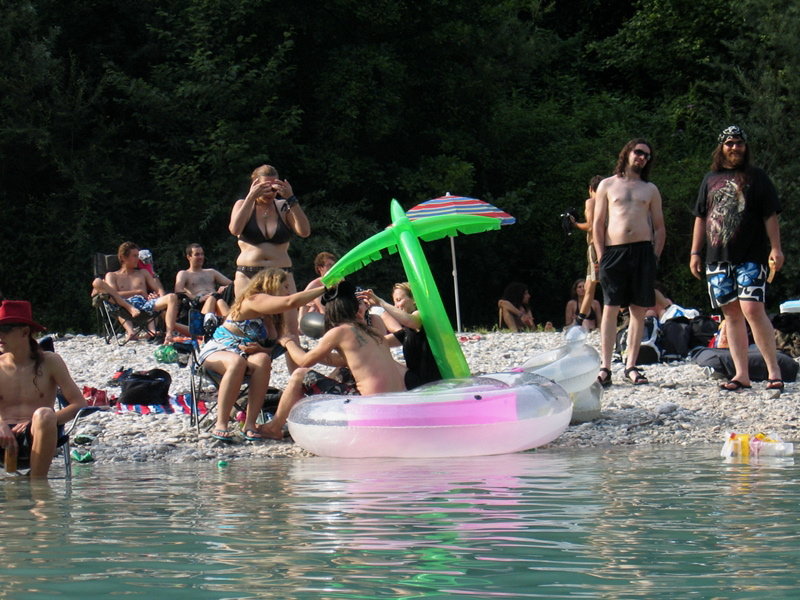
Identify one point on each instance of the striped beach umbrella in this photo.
(458, 205)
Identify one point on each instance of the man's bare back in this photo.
(369, 359)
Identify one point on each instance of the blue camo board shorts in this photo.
(139, 303)
(728, 282)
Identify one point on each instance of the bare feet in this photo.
(270, 431)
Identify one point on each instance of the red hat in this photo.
(18, 312)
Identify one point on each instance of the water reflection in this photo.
(567, 523)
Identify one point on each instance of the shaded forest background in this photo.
(136, 120)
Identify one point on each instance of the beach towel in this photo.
(181, 404)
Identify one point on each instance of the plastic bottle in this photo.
(11, 462)
(744, 445)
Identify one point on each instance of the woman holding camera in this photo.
(264, 222)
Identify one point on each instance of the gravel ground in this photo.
(682, 404)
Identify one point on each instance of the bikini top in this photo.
(253, 235)
(250, 330)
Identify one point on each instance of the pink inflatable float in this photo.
(491, 414)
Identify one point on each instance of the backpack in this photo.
(787, 333)
(147, 387)
(703, 330)
(675, 338)
(650, 351)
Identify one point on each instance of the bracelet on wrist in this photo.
(695, 254)
(290, 201)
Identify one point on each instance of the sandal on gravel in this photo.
(604, 381)
(775, 384)
(222, 434)
(639, 379)
(734, 386)
(252, 435)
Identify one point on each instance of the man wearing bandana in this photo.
(736, 218)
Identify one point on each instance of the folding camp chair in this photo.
(108, 313)
(205, 382)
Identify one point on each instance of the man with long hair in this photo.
(629, 236)
(29, 380)
(736, 219)
(348, 342)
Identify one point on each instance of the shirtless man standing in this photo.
(136, 290)
(29, 379)
(629, 236)
(200, 285)
(349, 342)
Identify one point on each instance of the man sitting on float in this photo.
(365, 361)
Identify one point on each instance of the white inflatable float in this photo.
(574, 367)
(492, 414)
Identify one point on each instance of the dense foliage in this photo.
(130, 119)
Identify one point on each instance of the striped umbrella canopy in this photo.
(458, 205)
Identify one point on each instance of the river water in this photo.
(622, 522)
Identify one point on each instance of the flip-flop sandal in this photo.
(640, 379)
(605, 381)
(734, 386)
(252, 435)
(775, 384)
(222, 435)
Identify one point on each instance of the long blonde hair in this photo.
(266, 281)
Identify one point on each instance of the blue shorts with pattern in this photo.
(143, 304)
(728, 282)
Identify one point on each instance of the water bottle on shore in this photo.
(744, 445)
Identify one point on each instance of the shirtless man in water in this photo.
(202, 286)
(136, 290)
(264, 222)
(29, 379)
(349, 342)
(629, 236)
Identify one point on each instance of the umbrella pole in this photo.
(455, 283)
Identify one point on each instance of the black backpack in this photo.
(149, 387)
(675, 338)
(650, 350)
(703, 330)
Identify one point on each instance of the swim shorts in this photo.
(727, 282)
(628, 275)
(315, 382)
(143, 304)
(24, 442)
(593, 267)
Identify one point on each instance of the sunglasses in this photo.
(7, 328)
(734, 144)
(642, 153)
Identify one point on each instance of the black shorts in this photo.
(628, 275)
(24, 442)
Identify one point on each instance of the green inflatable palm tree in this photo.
(403, 236)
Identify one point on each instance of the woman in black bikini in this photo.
(264, 225)
(592, 321)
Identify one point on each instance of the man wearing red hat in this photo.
(29, 379)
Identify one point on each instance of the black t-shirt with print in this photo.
(735, 213)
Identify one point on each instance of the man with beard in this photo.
(629, 236)
(736, 218)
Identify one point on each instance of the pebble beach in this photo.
(681, 405)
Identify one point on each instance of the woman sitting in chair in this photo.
(514, 310)
(246, 342)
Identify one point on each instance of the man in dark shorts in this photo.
(348, 342)
(736, 218)
(629, 236)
